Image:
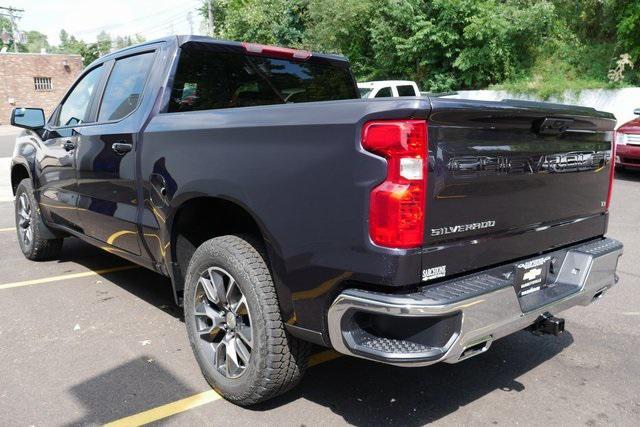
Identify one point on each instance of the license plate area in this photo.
(532, 276)
(535, 282)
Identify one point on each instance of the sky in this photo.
(86, 18)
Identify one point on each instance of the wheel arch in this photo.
(19, 171)
(203, 217)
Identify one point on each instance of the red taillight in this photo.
(397, 206)
(275, 51)
(613, 169)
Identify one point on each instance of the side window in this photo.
(385, 92)
(125, 85)
(75, 108)
(406, 90)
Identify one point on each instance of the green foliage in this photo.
(582, 48)
(36, 42)
(447, 44)
(628, 30)
(442, 44)
(542, 46)
(5, 25)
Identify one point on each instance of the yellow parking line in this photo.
(323, 356)
(196, 400)
(167, 410)
(65, 277)
(8, 229)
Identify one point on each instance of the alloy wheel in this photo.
(223, 322)
(25, 228)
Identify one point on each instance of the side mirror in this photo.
(636, 111)
(28, 118)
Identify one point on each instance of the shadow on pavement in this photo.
(632, 175)
(127, 389)
(367, 393)
(145, 284)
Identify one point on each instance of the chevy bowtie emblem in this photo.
(532, 274)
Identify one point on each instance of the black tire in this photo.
(277, 359)
(35, 246)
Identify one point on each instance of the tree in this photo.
(6, 27)
(103, 43)
(628, 30)
(36, 42)
(446, 44)
(64, 37)
(121, 42)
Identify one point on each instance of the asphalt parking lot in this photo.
(89, 339)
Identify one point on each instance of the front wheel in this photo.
(30, 227)
(234, 323)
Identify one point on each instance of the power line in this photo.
(172, 19)
(122, 24)
(165, 26)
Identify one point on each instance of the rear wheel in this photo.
(234, 323)
(31, 230)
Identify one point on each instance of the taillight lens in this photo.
(613, 168)
(397, 205)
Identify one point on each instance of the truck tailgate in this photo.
(510, 179)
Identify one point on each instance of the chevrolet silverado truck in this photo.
(288, 212)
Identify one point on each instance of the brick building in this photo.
(35, 80)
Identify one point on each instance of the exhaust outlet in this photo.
(475, 349)
(548, 325)
(599, 294)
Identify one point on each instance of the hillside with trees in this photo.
(538, 46)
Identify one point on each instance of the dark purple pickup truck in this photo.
(288, 211)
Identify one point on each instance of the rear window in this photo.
(406, 90)
(385, 92)
(208, 80)
(365, 91)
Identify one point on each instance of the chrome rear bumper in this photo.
(457, 319)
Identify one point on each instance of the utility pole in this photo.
(14, 25)
(210, 16)
(190, 21)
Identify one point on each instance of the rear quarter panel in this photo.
(300, 171)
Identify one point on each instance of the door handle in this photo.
(122, 148)
(69, 145)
